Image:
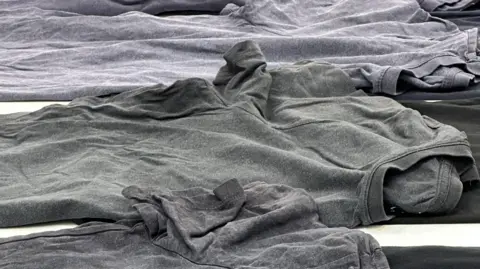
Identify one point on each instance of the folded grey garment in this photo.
(429, 181)
(255, 226)
(58, 55)
(446, 5)
(461, 114)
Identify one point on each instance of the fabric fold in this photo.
(94, 55)
(294, 125)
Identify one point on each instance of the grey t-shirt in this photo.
(257, 226)
(287, 126)
(51, 51)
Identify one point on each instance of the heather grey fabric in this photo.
(384, 46)
(279, 126)
(116, 7)
(195, 228)
(461, 115)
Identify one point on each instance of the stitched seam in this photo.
(380, 80)
(449, 184)
(374, 170)
(299, 124)
(369, 181)
(438, 187)
(455, 76)
(448, 81)
(431, 59)
(471, 40)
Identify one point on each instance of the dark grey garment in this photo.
(258, 226)
(463, 115)
(446, 5)
(463, 19)
(393, 47)
(278, 126)
(433, 257)
(472, 93)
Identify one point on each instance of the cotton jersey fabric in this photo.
(51, 51)
(288, 126)
(117, 7)
(255, 226)
(461, 114)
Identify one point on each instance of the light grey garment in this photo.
(280, 126)
(446, 5)
(384, 46)
(116, 7)
(258, 226)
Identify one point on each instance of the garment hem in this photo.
(372, 193)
